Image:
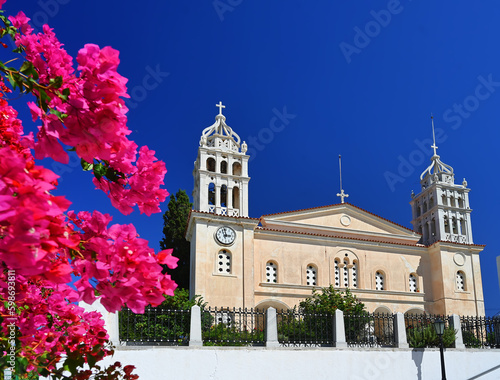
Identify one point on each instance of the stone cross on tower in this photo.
(342, 195)
(433, 137)
(220, 107)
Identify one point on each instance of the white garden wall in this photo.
(220, 363)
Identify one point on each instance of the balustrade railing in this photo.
(480, 332)
(369, 330)
(233, 327)
(304, 329)
(421, 333)
(155, 327)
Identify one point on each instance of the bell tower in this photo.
(221, 171)
(441, 211)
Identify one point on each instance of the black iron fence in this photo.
(369, 330)
(421, 331)
(155, 326)
(303, 329)
(480, 332)
(233, 327)
(244, 327)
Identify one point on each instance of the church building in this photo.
(278, 259)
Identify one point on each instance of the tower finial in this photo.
(342, 195)
(433, 146)
(220, 107)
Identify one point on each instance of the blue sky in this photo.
(353, 79)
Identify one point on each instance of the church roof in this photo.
(338, 237)
(341, 220)
(335, 205)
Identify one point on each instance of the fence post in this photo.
(271, 328)
(459, 340)
(400, 331)
(339, 329)
(195, 339)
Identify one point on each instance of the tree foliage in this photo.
(327, 300)
(175, 222)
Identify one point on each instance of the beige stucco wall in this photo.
(435, 267)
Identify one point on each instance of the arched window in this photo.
(236, 197)
(452, 201)
(345, 276)
(223, 167)
(419, 211)
(271, 272)
(455, 225)
(311, 275)
(425, 207)
(211, 194)
(444, 199)
(433, 227)
(412, 282)
(431, 202)
(224, 262)
(463, 229)
(211, 164)
(223, 196)
(446, 224)
(337, 273)
(354, 274)
(461, 201)
(460, 281)
(236, 168)
(379, 280)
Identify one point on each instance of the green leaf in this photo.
(43, 99)
(26, 67)
(59, 114)
(99, 170)
(86, 165)
(56, 82)
(65, 94)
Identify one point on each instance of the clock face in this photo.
(225, 235)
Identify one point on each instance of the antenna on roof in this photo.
(342, 195)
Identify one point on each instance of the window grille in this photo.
(413, 283)
(460, 280)
(337, 273)
(345, 270)
(224, 262)
(354, 274)
(379, 281)
(271, 272)
(311, 275)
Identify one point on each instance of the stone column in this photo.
(271, 328)
(400, 331)
(338, 329)
(455, 322)
(195, 339)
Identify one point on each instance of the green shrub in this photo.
(427, 337)
(153, 326)
(224, 335)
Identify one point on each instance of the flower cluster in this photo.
(45, 244)
(88, 113)
(125, 269)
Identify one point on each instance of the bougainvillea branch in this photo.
(42, 244)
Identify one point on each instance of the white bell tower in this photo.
(221, 171)
(441, 211)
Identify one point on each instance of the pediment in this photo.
(340, 220)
